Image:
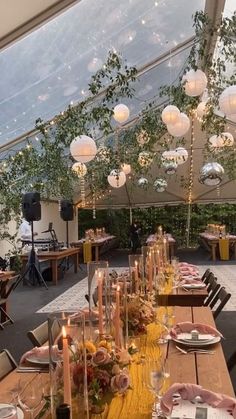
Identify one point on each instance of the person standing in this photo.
(25, 230)
(135, 232)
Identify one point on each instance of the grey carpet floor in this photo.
(26, 301)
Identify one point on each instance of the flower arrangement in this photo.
(140, 313)
(107, 374)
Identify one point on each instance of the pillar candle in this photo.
(66, 368)
(100, 307)
(117, 318)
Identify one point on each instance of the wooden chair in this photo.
(223, 297)
(205, 275)
(231, 361)
(215, 287)
(211, 279)
(7, 363)
(39, 335)
(6, 287)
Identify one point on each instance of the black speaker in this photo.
(67, 210)
(31, 207)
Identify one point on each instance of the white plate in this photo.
(20, 414)
(37, 360)
(188, 410)
(194, 286)
(198, 343)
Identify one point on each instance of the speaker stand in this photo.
(31, 268)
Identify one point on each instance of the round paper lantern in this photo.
(232, 117)
(83, 149)
(227, 100)
(169, 155)
(223, 140)
(142, 182)
(145, 159)
(80, 169)
(182, 155)
(211, 174)
(201, 109)
(195, 82)
(116, 178)
(181, 127)
(170, 114)
(160, 185)
(142, 137)
(121, 113)
(170, 167)
(126, 168)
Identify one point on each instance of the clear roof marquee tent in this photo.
(49, 67)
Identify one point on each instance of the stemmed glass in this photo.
(153, 379)
(163, 319)
(30, 394)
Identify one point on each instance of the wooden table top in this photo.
(54, 255)
(95, 242)
(209, 371)
(6, 274)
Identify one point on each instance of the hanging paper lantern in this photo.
(195, 82)
(170, 114)
(223, 140)
(170, 167)
(181, 127)
(201, 109)
(211, 174)
(232, 117)
(227, 100)
(142, 137)
(126, 168)
(83, 149)
(169, 155)
(182, 155)
(80, 169)
(160, 185)
(103, 154)
(121, 113)
(116, 178)
(142, 182)
(145, 159)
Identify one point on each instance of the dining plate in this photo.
(196, 343)
(20, 414)
(193, 286)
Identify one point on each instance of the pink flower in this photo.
(103, 377)
(120, 382)
(101, 357)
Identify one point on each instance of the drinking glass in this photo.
(7, 405)
(153, 379)
(163, 319)
(30, 394)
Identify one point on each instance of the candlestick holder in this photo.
(67, 352)
(148, 268)
(136, 274)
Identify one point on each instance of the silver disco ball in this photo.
(160, 185)
(211, 174)
(170, 167)
(142, 182)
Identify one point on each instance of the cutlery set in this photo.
(194, 350)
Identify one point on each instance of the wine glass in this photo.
(30, 394)
(153, 379)
(163, 319)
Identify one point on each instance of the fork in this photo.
(195, 350)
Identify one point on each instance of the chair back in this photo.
(205, 275)
(210, 281)
(39, 336)
(215, 287)
(7, 363)
(222, 297)
(7, 286)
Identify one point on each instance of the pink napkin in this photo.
(190, 391)
(187, 327)
(188, 280)
(41, 352)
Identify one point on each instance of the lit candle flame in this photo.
(136, 263)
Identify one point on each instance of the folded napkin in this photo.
(191, 391)
(41, 352)
(187, 327)
(188, 280)
(187, 265)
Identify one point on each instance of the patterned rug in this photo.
(74, 296)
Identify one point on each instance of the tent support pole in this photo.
(130, 215)
(188, 223)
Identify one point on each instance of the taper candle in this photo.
(136, 277)
(66, 367)
(117, 318)
(100, 307)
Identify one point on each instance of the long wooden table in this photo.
(209, 371)
(211, 243)
(98, 245)
(54, 257)
(182, 297)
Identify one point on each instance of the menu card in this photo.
(193, 410)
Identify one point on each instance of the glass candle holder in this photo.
(148, 267)
(136, 274)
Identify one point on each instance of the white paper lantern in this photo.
(201, 109)
(116, 178)
(195, 82)
(126, 168)
(169, 155)
(160, 185)
(227, 101)
(223, 140)
(80, 169)
(142, 137)
(181, 127)
(170, 114)
(142, 182)
(145, 158)
(232, 117)
(182, 155)
(170, 167)
(211, 174)
(121, 113)
(83, 149)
